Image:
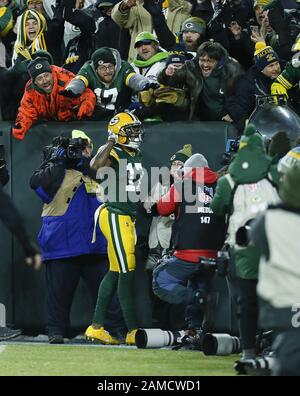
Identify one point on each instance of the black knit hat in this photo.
(37, 67)
(43, 54)
(103, 55)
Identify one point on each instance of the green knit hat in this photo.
(183, 154)
(289, 190)
(6, 21)
(252, 140)
(145, 37)
(194, 24)
(279, 145)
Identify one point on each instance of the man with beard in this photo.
(42, 99)
(112, 80)
(210, 78)
(150, 59)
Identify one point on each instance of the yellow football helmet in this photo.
(128, 128)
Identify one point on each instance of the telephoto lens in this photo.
(261, 366)
(220, 344)
(157, 338)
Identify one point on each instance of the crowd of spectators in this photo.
(201, 60)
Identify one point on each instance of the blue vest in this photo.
(70, 234)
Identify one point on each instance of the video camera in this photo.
(73, 147)
(220, 263)
(232, 146)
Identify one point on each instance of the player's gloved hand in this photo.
(68, 93)
(278, 89)
(113, 137)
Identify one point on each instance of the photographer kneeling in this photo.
(199, 234)
(65, 185)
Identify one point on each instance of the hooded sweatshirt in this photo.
(199, 233)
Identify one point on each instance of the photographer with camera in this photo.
(43, 99)
(276, 234)
(245, 191)
(64, 182)
(198, 235)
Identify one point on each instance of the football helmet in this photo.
(128, 129)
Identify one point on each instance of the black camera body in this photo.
(220, 264)
(232, 146)
(73, 147)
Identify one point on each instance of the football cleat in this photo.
(100, 335)
(130, 337)
(128, 128)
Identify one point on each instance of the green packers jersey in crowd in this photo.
(109, 96)
(123, 197)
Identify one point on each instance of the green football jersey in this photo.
(124, 186)
(111, 96)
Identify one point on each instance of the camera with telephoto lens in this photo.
(220, 344)
(73, 147)
(242, 234)
(157, 338)
(220, 264)
(260, 366)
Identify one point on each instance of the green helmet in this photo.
(145, 37)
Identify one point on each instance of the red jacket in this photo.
(169, 204)
(36, 106)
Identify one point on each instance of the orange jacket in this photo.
(37, 106)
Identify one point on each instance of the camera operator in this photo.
(64, 183)
(198, 236)
(276, 234)
(11, 218)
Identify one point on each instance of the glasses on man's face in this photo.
(109, 68)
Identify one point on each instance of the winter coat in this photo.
(69, 197)
(242, 103)
(37, 105)
(197, 232)
(190, 76)
(137, 19)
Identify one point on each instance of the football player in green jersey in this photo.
(117, 222)
(112, 80)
